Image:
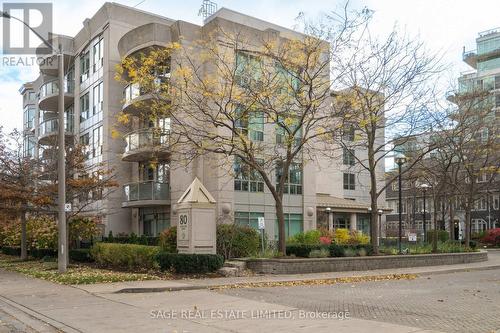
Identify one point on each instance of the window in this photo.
(97, 141)
(98, 51)
(31, 95)
(293, 181)
(96, 193)
(29, 145)
(84, 66)
(249, 123)
(84, 107)
(496, 202)
(293, 225)
(282, 135)
(348, 157)
(482, 178)
(246, 179)
(29, 117)
(97, 98)
(85, 143)
(481, 204)
(250, 219)
(349, 181)
(247, 68)
(478, 225)
(348, 132)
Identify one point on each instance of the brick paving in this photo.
(453, 302)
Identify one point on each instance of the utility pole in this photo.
(61, 170)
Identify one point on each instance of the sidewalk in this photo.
(57, 308)
(197, 284)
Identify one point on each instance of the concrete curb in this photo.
(216, 286)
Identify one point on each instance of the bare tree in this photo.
(390, 90)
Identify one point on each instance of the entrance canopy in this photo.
(343, 205)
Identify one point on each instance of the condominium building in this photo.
(484, 77)
(320, 193)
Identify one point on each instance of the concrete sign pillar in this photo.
(196, 223)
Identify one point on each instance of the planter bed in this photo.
(318, 265)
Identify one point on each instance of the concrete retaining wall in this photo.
(317, 265)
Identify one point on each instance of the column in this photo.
(353, 221)
(330, 221)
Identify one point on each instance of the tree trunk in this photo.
(24, 245)
(281, 227)
(451, 222)
(374, 213)
(467, 225)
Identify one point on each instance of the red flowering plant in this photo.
(325, 240)
(492, 237)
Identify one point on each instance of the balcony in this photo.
(143, 37)
(48, 61)
(49, 95)
(146, 143)
(137, 100)
(49, 130)
(470, 58)
(147, 193)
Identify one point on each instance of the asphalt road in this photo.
(453, 302)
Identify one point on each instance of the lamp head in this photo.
(369, 209)
(5, 14)
(424, 187)
(400, 160)
(380, 211)
(328, 209)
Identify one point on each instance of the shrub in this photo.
(341, 236)
(443, 236)
(336, 250)
(41, 233)
(357, 237)
(125, 256)
(189, 263)
(321, 253)
(11, 251)
(42, 253)
(325, 240)
(302, 250)
(350, 252)
(123, 238)
(237, 241)
(80, 228)
(309, 237)
(80, 255)
(168, 240)
(492, 237)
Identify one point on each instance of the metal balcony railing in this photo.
(147, 190)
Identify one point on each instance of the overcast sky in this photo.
(445, 25)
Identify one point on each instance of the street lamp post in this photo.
(61, 192)
(400, 161)
(379, 225)
(424, 188)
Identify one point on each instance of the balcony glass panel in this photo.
(51, 125)
(131, 91)
(52, 88)
(147, 190)
(148, 137)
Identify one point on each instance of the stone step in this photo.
(228, 271)
(240, 265)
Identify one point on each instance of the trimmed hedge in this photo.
(189, 263)
(11, 251)
(131, 239)
(80, 255)
(125, 256)
(335, 250)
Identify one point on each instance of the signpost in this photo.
(412, 237)
(262, 227)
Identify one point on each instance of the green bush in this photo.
(131, 239)
(125, 256)
(42, 253)
(443, 236)
(189, 263)
(309, 237)
(236, 241)
(321, 253)
(11, 251)
(335, 250)
(168, 240)
(80, 228)
(80, 255)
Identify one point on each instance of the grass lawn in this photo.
(76, 273)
